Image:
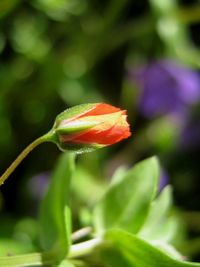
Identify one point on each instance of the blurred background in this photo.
(143, 56)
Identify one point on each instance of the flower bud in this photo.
(89, 126)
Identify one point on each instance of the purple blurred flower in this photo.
(164, 179)
(38, 184)
(168, 88)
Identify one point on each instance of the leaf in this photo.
(66, 263)
(9, 247)
(154, 229)
(177, 40)
(126, 203)
(84, 183)
(118, 175)
(138, 253)
(23, 233)
(7, 6)
(55, 217)
(112, 257)
(163, 230)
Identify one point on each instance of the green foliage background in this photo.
(58, 53)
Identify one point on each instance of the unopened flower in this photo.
(82, 129)
(89, 126)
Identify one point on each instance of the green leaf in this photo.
(155, 229)
(112, 257)
(84, 183)
(177, 42)
(66, 263)
(138, 253)
(55, 218)
(163, 7)
(17, 237)
(163, 230)
(16, 247)
(7, 6)
(118, 175)
(126, 203)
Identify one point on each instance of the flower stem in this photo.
(32, 259)
(81, 233)
(23, 154)
(84, 248)
(45, 258)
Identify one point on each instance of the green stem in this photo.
(81, 233)
(23, 154)
(84, 248)
(42, 259)
(32, 259)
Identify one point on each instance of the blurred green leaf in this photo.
(156, 229)
(126, 203)
(6, 6)
(112, 257)
(55, 214)
(16, 247)
(61, 9)
(17, 238)
(174, 33)
(27, 227)
(66, 263)
(163, 134)
(118, 175)
(28, 37)
(163, 230)
(86, 187)
(163, 7)
(138, 253)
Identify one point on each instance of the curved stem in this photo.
(23, 154)
(81, 233)
(32, 259)
(84, 248)
(47, 258)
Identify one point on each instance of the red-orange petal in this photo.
(103, 133)
(100, 109)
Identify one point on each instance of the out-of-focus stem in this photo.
(84, 248)
(23, 154)
(81, 233)
(43, 259)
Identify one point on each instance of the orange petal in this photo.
(111, 128)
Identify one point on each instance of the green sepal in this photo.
(72, 128)
(72, 112)
(78, 148)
